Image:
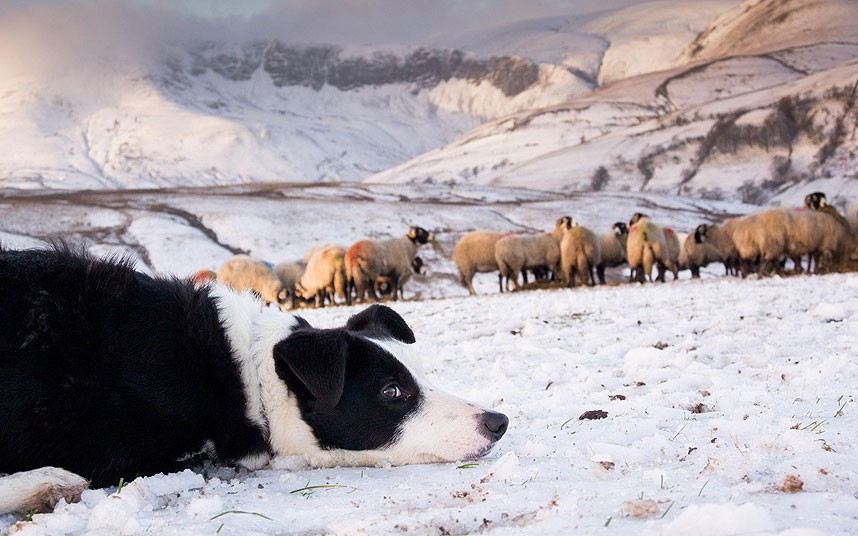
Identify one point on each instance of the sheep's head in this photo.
(418, 266)
(700, 233)
(383, 285)
(815, 201)
(421, 236)
(636, 217)
(566, 223)
(284, 299)
(620, 229)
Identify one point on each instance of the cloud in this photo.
(51, 35)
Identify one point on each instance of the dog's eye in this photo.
(392, 392)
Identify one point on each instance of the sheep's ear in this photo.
(412, 232)
(381, 320)
(314, 361)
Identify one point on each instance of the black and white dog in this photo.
(106, 373)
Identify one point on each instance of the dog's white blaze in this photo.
(444, 427)
(253, 330)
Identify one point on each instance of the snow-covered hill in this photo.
(75, 114)
(738, 100)
(758, 127)
(758, 26)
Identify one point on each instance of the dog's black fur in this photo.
(109, 373)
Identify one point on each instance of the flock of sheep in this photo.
(569, 255)
(327, 272)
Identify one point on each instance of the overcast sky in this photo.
(334, 21)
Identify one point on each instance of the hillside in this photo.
(758, 26)
(76, 113)
(755, 127)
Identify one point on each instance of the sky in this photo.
(330, 21)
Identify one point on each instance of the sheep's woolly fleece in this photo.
(730, 409)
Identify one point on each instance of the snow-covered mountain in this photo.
(742, 100)
(755, 126)
(213, 112)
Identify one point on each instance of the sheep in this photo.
(613, 249)
(820, 236)
(762, 238)
(721, 236)
(475, 253)
(541, 255)
(805, 237)
(647, 247)
(243, 272)
(580, 252)
(384, 284)
(516, 254)
(672, 240)
(290, 273)
(367, 260)
(509, 255)
(325, 276)
(695, 254)
(708, 243)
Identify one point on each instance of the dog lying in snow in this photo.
(106, 373)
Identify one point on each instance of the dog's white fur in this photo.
(445, 427)
(40, 489)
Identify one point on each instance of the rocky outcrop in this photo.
(319, 65)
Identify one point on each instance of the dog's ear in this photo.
(317, 359)
(382, 320)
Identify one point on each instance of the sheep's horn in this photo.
(437, 247)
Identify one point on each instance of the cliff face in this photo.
(320, 65)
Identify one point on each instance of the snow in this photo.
(730, 403)
(728, 387)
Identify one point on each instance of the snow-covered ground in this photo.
(180, 231)
(730, 410)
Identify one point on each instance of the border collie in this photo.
(106, 372)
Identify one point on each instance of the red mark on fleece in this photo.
(357, 251)
(201, 276)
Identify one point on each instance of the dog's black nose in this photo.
(494, 424)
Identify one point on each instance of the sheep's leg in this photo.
(467, 282)
(372, 293)
(600, 272)
(470, 285)
(661, 270)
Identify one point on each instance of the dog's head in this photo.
(365, 400)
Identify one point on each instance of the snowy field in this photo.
(730, 410)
